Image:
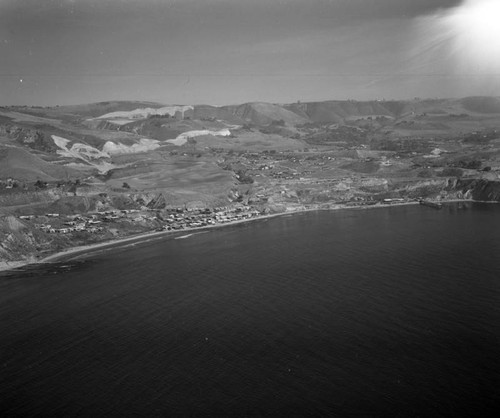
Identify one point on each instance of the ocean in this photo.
(382, 312)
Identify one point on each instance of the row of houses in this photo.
(66, 230)
(207, 217)
(169, 219)
(68, 223)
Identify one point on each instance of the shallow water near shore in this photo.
(386, 311)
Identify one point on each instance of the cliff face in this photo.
(18, 241)
(476, 189)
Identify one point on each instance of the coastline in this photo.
(75, 252)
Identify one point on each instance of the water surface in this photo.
(379, 312)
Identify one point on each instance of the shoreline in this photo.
(75, 252)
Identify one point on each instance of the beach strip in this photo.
(75, 252)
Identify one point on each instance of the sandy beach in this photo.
(78, 251)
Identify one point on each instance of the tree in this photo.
(126, 185)
(243, 177)
(192, 143)
(40, 184)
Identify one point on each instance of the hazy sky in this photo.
(234, 51)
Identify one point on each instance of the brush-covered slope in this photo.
(264, 113)
(340, 111)
(485, 105)
(207, 112)
(22, 165)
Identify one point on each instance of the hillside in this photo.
(260, 113)
(20, 164)
(340, 111)
(485, 105)
(265, 113)
(91, 110)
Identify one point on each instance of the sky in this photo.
(58, 52)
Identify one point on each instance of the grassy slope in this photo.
(22, 165)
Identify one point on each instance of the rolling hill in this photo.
(265, 113)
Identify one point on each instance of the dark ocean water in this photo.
(384, 312)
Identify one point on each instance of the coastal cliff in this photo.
(476, 189)
(23, 240)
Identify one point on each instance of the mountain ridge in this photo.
(334, 111)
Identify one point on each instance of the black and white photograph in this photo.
(239, 208)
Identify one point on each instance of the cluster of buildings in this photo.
(167, 219)
(285, 175)
(71, 223)
(91, 222)
(195, 218)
